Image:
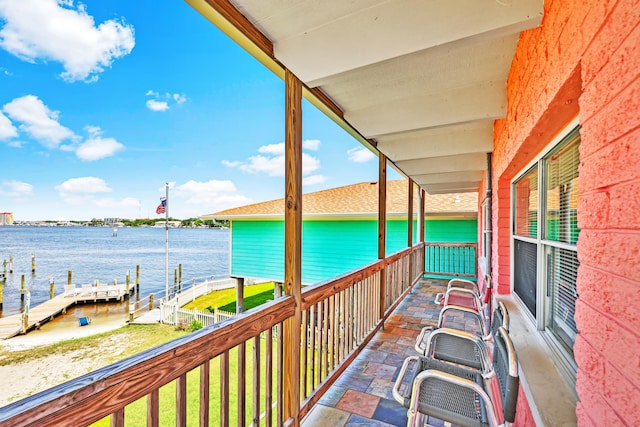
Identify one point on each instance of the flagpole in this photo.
(166, 243)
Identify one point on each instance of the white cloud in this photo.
(272, 166)
(162, 102)
(313, 180)
(38, 120)
(43, 30)
(180, 99)
(272, 160)
(311, 144)
(84, 185)
(360, 155)
(231, 164)
(16, 189)
(96, 147)
(209, 196)
(275, 149)
(7, 129)
(154, 105)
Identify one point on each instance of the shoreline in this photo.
(50, 333)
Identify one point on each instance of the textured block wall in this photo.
(585, 59)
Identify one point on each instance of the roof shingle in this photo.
(357, 199)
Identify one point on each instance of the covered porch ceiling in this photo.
(422, 81)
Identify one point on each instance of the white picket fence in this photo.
(171, 314)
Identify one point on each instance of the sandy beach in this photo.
(23, 379)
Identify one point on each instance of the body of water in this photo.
(97, 253)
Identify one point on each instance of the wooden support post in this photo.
(422, 226)
(1, 300)
(4, 266)
(421, 216)
(150, 302)
(292, 244)
(180, 276)
(51, 288)
(410, 229)
(69, 275)
(33, 263)
(10, 264)
(239, 294)
(382, 228)
(22, 288)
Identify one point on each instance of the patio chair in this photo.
(458, 347)
(464, 319)
(459, 395)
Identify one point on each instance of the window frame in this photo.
(562, 358)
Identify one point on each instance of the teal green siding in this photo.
(329, 248)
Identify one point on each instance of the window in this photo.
(545, 233)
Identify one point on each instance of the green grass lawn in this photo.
(225, 299)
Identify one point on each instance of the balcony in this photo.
(236, 372)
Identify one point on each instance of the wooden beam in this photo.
(293, 243)
(421, 216)
(410, 214)
(382, 227)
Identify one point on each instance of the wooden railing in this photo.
(451, 259)
(338, 318)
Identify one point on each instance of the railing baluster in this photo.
(268, 398)
(326, 338)
(153, 408)
(305, 353)
(242, 375)
(312, 313)
(332, 342)
(224, 389)
(205, 372)
(181, 401)
(280, 388)
(117, 418)
(256, 380)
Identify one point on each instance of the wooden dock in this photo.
(11, 326)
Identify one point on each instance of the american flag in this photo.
(161, 207)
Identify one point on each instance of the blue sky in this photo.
(103, 101)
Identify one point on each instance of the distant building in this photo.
(6, 218)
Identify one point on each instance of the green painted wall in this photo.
(329, 248)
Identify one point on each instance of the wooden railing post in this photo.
(410, 229)
(292, 244)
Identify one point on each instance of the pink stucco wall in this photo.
(585, 60)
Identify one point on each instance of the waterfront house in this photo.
(340, 231)
(533, 105)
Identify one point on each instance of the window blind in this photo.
(562, 193)
(526, 204)
(562, 271)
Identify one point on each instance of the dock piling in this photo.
(69, 274)
(33, 263)
(150, 302)
(1, 286)
(175, 281)
(137, 282)
(10, 264)
(51, 287)
(22, 288)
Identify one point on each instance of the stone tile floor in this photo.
(362, 395)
